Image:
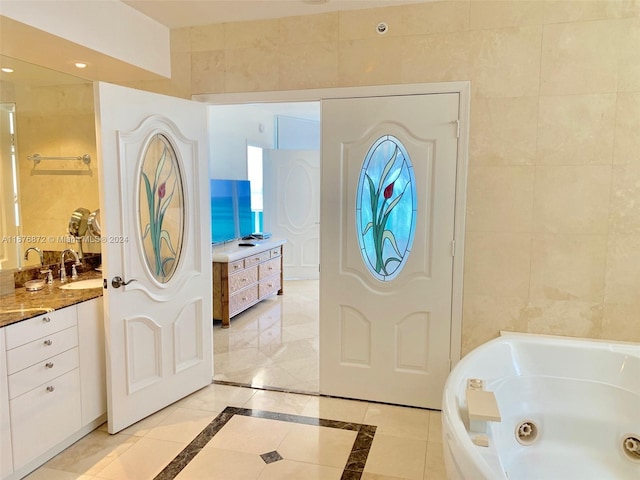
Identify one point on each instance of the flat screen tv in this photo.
(231, 216)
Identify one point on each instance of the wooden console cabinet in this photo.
(242, 276)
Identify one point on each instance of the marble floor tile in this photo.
(92, 453)
(434, 469)
(216, 397)
(435, 427)
(317, 445)
(397, 457)
(278, 402)
(45, 473)
(141, 428)
(399, 421)
(299, 470)
(274, 343)
(215, 463)
(336, 409)
(182, 425)
(143, 461)
(251, 435)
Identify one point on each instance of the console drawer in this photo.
(241, 300)
(243, 279)
(268, 286)
(269, 268)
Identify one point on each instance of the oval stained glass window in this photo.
(386, 208)
(161, 208)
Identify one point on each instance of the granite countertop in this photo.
(49, 298)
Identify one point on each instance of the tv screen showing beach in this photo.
(231, 216)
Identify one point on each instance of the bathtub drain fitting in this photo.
(526, 432)
(631, 447)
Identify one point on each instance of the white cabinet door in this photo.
(6, 461)
(93, 382)
(44, 417)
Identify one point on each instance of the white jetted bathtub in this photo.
(538, 407)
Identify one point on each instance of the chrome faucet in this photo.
(63, 273)
(38, 251)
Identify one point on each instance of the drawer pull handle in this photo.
(49, 364)
(46, 319)
(50, 388)
(270, 285)
(48, 342)
(244, 299)
(270, 268)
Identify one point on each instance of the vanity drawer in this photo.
(34, 352)
(40, 326)
(268, 286)
(275, 252)
(243, 279)
(269, 268)
(243, 299)
(42, 372)
(47, 415)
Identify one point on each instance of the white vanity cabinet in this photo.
(6, 455)
(56, 382)
(93, 384)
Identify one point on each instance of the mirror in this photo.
(49, 114)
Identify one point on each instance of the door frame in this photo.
(462, 88)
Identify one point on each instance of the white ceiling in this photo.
(187, 13)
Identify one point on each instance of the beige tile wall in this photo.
(553, 211)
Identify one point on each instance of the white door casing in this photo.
(291, 186)
(159, 344)
(388, 341)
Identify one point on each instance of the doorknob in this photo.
(118, 282)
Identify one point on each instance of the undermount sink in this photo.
(28, 310)
(83, 284)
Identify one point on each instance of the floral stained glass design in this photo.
(161, 208)
(386, 208)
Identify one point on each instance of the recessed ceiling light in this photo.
(7, 70)
(81, 65)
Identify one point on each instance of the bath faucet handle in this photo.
(47, 274)
(74, 273)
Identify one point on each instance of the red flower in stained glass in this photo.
(388, 191)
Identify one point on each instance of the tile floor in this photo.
(274, 343)
(231, 432)
(406, 444)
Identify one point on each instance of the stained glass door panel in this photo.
(161, 208)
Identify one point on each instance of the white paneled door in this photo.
(155, 215)
(385, 316)
(291, 187)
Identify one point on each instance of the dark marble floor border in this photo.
(355, 463)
